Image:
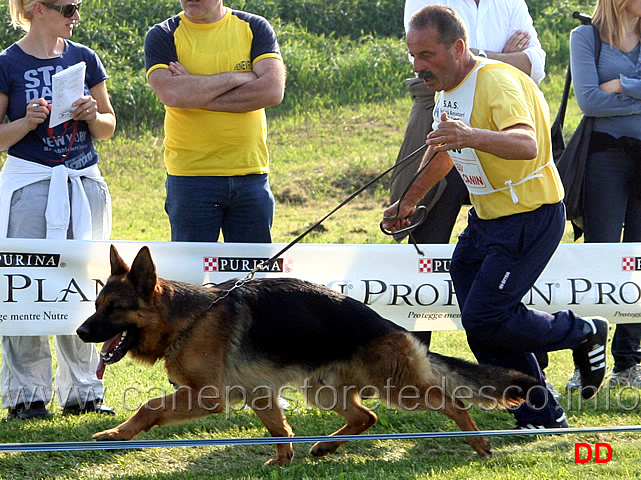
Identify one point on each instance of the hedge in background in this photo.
(337, 52)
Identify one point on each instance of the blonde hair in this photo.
(606, 16)
(21, 13)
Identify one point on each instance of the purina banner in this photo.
(49, 287)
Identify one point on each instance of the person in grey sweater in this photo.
(611, 92)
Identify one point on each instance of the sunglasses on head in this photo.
(67, 11)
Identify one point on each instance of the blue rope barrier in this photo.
(140, 444)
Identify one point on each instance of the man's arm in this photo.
(513, 143)
(517, 142)
(522, 52)
(533, 50)
(224, 92)
(513, 52)
(175, 87)
(266, 90)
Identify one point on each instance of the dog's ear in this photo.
(143, 274)
(118, 266)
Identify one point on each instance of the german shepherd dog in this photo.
(270, 333)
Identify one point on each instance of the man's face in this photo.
(434, 62)
(203, 11)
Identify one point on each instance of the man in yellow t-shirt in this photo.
(215, 70)
(491, 123)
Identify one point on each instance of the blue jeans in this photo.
(612, 205)
(495, 263)
(199, 208)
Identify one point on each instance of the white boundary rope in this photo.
(140, 444)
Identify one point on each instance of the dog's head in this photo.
(120, 307)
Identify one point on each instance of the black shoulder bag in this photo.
(571, 159)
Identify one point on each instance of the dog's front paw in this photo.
(112, 434)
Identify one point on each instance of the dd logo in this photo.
(597, 453)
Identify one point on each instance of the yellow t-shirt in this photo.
(503, 97)
(200, 142)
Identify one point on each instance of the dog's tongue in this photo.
(100, 370)
(106, 347)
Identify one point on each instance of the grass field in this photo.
(129, 384)
(318, 159)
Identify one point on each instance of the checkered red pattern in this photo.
(288, 265)
(628, 264)
(210, 264)
(424, 265)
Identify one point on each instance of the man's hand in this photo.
(451, 134)
(177, 69)
(517, 142)
(396, 216)
(518, 42)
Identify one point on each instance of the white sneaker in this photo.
(630, 376)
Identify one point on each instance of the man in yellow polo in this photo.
(215, 70)
(491, 123)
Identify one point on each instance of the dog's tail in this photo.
(484, 385)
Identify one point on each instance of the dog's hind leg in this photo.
(272, 417)
(435, 400)
(359, 419)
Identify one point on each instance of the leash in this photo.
(420, 214)
(270, 261)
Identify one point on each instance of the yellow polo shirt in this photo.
(200, 142)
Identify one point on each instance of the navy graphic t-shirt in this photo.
(24, 78)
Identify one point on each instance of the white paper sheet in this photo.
(67, 86)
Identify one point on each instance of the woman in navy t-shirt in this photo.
(50, 176)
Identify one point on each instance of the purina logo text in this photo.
(10, 259)
(434, 265)
(240, 264)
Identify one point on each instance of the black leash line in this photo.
(420, 214)
(271, 260)
(265, 264)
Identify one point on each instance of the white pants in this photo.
(26, 372)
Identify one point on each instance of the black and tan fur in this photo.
(274, 332)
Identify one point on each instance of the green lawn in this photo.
(129, 384)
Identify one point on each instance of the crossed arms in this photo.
(224, 92)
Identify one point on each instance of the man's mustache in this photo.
(425, 75)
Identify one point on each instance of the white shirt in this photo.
(18, 173)
(490, 25)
